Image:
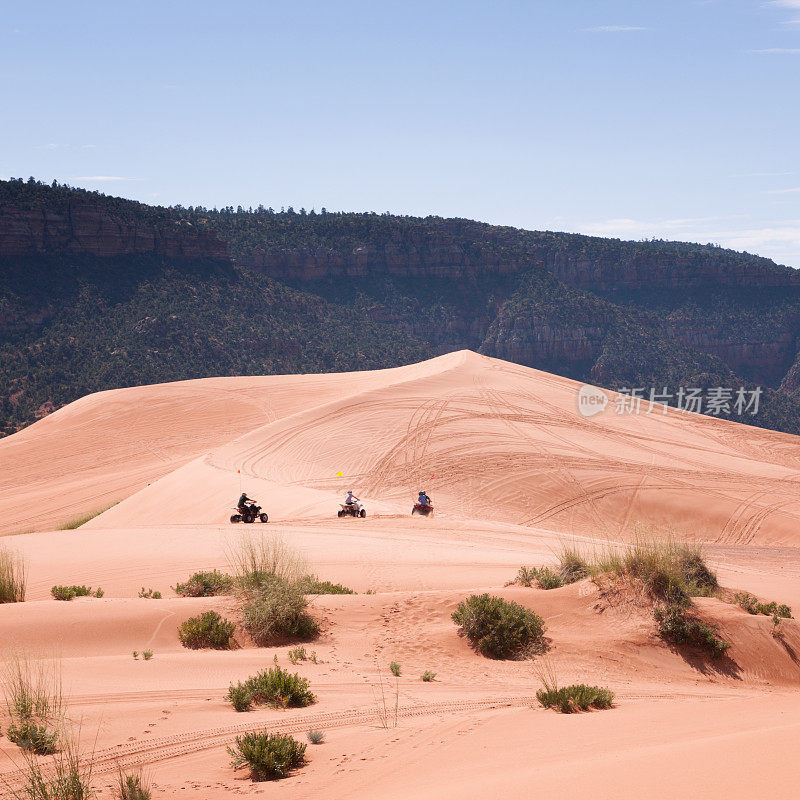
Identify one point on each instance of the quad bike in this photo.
(351, 511)
(421, 508)
(249, 514)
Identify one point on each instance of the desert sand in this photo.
(514, 471)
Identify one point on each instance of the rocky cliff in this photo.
(82, 227)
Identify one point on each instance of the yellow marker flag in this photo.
(339, 474)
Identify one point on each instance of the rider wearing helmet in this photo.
(243, 501)
(351, 499)
(423, 498)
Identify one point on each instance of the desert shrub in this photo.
(275, 609)
(255, 558)
(316, 736)
(12, 577)
(70, 592)
(209, 630)
(149, 594)
(544, 577)
(669, 570)
(275, 687)
(678, 626)
(268, 755)
(498, 628)
(297, 654)
(37, 737)
(572, 566)
(65, 776)
(206, 584)
(147, 654)
(310, 584)
(240, 697)
(753, 605)
(578, 697)
(135, 654)
(395, 669)
(132, 786)
(427, 676)
(34, 704)
(526, 576)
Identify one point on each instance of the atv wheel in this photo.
(340, 513)
(263, 517)
(236, 517)
(248, 518)
(363, 513)
(413, 511)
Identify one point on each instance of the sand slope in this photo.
(513, 469)
(470, 429)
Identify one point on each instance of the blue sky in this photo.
(668, 118)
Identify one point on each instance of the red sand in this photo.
(513, 470)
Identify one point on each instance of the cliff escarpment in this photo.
(98, 292)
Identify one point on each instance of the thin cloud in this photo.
(793, 190)
(615, 29)
(788, 51)
(785, 3)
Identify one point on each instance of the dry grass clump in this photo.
(34, 704)
(132, 786)
(667, 569)
(81, 519)
(65, 776)
(272, 580)
(572, 698)
(13, 576)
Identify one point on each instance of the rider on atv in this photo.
(423, 499)
(351, 499)
(243, 501)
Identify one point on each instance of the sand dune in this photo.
(514, 470)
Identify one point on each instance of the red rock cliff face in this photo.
(604, 274)
(81, 228)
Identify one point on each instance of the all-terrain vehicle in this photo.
(422, 508)
(351, 510)
(249, 514)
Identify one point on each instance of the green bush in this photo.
(427, 676)
(206, 584)
(70, 592)
(36, 737)
(310, 584)
(394, 668)
(275, 687)
(753, 605)
(209, 630)
(679, 627)
(268, 755)
(240, 697)
(275, 609)
(499, 628)
(578, 697)
(149, 594)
